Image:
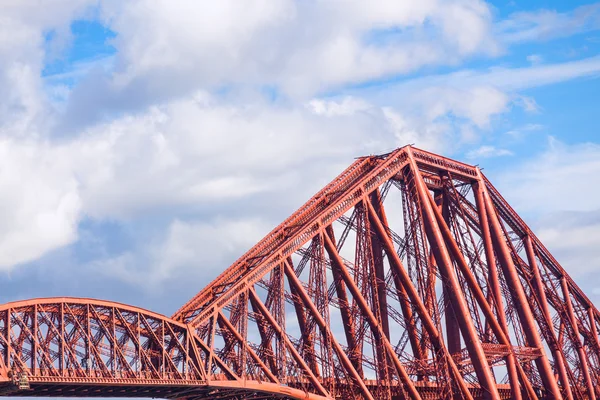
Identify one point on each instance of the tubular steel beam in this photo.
(293, 281)
(559, 360)
(409, 319)
(265, 340)
(306, 336)
(518, 294)
(376, 201)
(413, 295)
(225, 322)
(345, 312)
(373, 323)
(452, 328)
(580, 352)
(511, 362)
(291, 348)
(482, 368)
(370, 263)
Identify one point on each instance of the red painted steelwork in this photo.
(408, 276)
(85, 347)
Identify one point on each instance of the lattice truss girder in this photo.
(92, 348)
(408, 271)
(94, 340)
(408, 276)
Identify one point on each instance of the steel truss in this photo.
(408, 276)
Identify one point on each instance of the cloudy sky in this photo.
(145, 145)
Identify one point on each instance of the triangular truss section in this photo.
(408, 276)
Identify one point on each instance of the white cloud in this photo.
(477, 104)
(191, 45)
(502, 79)
(469, 24)
(473, 97)
(428, 135)
(520, 131)
(347, 106)
(203, 152)
(535, 59)
(527, 103)
(23, 106)
(192, 154)
(487, 152)
(444, 116)
(574, 240)
(563, 178)
(40, 200)
(173, 124)
(524, 78)
(556, 192)
(549, 24)
(205, 247)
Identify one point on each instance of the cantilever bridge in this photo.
(408, 276)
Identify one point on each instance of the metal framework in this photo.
(408, 276)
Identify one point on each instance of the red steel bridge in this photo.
(407, 277)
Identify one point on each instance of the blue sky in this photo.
(145, 146)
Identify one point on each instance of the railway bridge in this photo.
(408, 276)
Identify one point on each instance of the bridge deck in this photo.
(43, 387)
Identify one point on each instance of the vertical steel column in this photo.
(210, 343)
(306, 337)
(114, 344)
(138, 346)
(580, 352)
(558, 355)
(409, 320)
(265, 340)
(373, 323)
(61, 360)
(594, 333)
(520, 300)
(347, 318)
(243, 299)
(308, 303)
(265, 313)
(590, 312)
(472, 342)
(4, 354)
(280, 355)
(161, 345)
(224, 322)
(478, 293)
(452, 328)
(377, 251)
(88, 336)
(495, 287)
(377, 282)
(593, 326)
(8, 338)
(413, 295)
(34, 340)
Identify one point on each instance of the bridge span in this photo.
(409, 276)
(79, 347)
